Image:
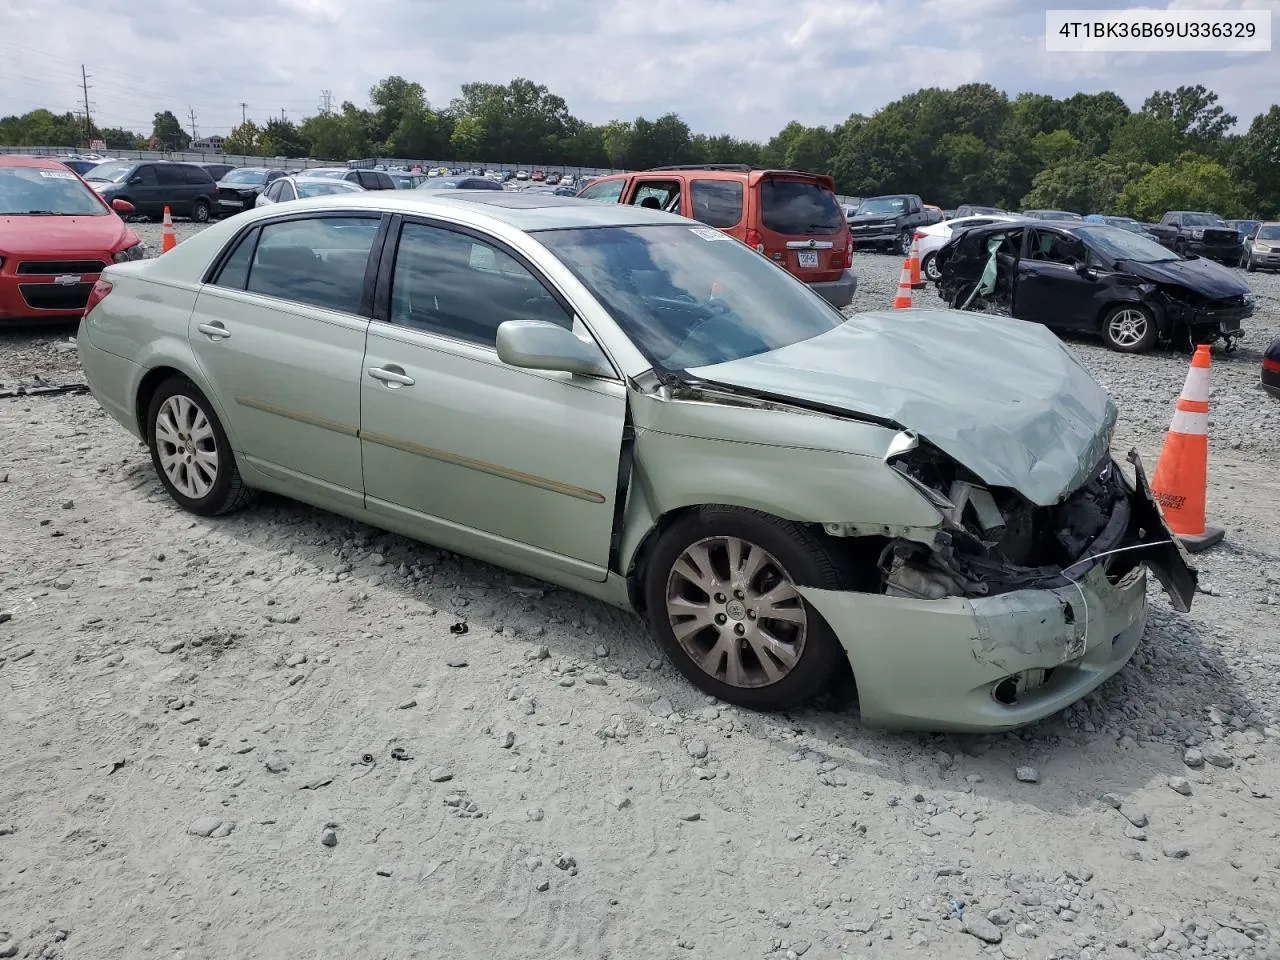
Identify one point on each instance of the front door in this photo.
(519, 466)
(280, 334)
(659, 193)
(1050, 287)
(146, 192)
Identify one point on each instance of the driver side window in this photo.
(1053, 247)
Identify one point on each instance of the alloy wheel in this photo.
(1128, 327)
(931, 269)
(187, 447)
(735, 611)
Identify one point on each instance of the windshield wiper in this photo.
(39, 213)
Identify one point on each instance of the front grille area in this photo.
(1225, 238)
(55, 296)
(52, 268)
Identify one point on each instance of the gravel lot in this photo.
(262, 736)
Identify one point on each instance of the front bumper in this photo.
(940, 664)
(838, 293)
(886, 233)
(1265, 261)
(1227, 253)
(230, 202)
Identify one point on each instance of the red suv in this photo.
(793, 218)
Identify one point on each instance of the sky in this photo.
(743, 67)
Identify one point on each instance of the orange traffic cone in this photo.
(168, 239)
(1182, 470)
(913, 261)
(903, 300)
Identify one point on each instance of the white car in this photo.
(935, 236)
(301, 188)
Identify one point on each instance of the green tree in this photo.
(395, 99)
(1083, 184)
(1257, 159)
(1092, 119)
(117, 138)
(336, 136)
(245, 140)
(510, 123)
(1194, 112)
(658, 142)
(280, 138)
(1055, 147)
(616, 135)
(1147, 138)
(169, 132)
(1192, 182)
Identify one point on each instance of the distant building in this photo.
(208, 144)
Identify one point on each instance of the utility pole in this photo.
(283, 117)
(244, 118)
(191, 112)
(84, 87)
(326, 102)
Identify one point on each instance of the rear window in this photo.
(717, 203)
(799, 208)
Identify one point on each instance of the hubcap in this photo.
(187, 447)
(931, 269)
(735, 611)
(905, 243)
(1128, 327)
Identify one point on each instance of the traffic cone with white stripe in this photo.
(168, 239)
(1182, 471)
(913, 262)
(903, 300)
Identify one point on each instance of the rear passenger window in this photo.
(170, 174)
(454, 285)
(235, 271)
(799, 208)
(319, 261)
(717, 203)
(196, 175)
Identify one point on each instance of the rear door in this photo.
(174, 189)
(721, 204)
(800, 223)
(656, 192)
(606, 191)
(279, 334)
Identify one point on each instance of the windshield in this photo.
(325, 189)
(112, 172)
(1271, 232)
(439, 183)
(691, 296)
(890, 205)
(1058, 215)
(1202, 220)
(1133, 226)
(32, 191)
(245, 175)
(1119, 244)
(337, 174)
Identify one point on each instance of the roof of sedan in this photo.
(541, 211)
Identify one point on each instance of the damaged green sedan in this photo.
(645, 410)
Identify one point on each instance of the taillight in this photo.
(918, 235)
(1271, 366)
(848, 252)
(755, 240)
(97, 294)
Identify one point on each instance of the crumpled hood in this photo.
(1205, 277)
(50, 236)
(1002, 397)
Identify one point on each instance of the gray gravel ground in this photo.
(258, 736)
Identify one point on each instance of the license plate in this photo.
(808, 258)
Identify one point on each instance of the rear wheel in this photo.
(1129, 328)
(929, 267)
(720, 589)
(190, 450)
(200, 211)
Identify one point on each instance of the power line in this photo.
(326, 102)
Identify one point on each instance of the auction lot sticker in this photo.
(1156, 31)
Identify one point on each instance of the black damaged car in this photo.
(1096, 278)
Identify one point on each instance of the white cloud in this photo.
(735, 66)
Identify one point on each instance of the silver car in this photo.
(305, 188)
(644, 409)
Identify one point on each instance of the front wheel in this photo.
(1249, 265)
(929, 267)
(190, 451)
(200, 211)
(904, 243)
(720, 589)
(1129, 328)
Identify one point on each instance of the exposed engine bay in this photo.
(994, 541)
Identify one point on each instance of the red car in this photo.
(56, 235)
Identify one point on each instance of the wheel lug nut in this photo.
(720, 618)
(720, 598)
(738, 594)
(739, 629)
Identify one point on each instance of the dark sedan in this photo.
(240, 188)
(1271, 369)
(460, 183)
(1096, 278)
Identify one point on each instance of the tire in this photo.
(743, 672)
(180, 418)
(1129, 328)
(904, 243)
(200, 211)
(1249, 266)
(929, 267)
(1180, 247)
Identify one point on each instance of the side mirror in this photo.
(1086, 270)
(134, 180)
(122, 206)
(539, 345)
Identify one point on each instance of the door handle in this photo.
(215, 330)
(391, 376)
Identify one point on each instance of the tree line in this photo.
(974, 144)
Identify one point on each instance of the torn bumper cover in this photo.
(991, 663)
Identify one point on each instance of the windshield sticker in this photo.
(706, 233)
(58, 175)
